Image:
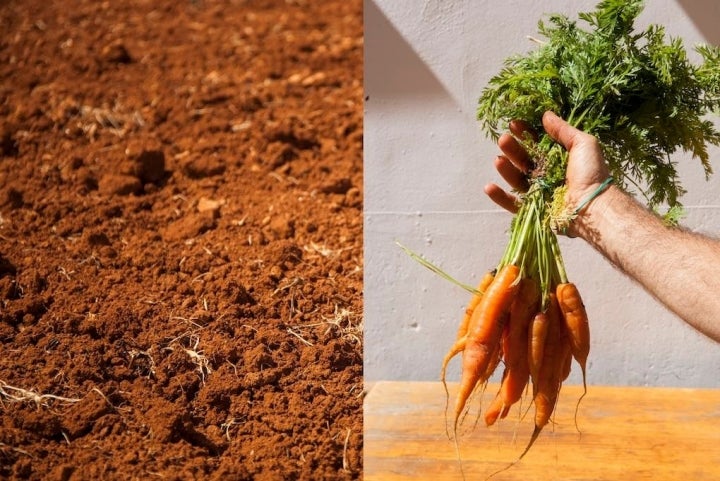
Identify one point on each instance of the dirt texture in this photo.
(181, 240)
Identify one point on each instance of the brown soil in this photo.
(180, 240)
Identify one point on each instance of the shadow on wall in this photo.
(393, 70)
(705, 14)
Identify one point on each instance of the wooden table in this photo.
(628, 433)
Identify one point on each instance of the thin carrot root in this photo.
(457, 348)
(577, 405)
(478, 393)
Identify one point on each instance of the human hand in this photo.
(586, 165)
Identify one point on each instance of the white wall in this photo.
(426, 162)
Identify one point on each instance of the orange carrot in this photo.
(515, 342)
(459, 345)
(567, 363)
(474, 301)
(484, 333)
(537, 334)
(495, 358)
(576, 320)
(515, 351)
(455, 349)
(551, 370)
(497, 353)
(496, 409)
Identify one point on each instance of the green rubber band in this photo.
(543, 184)
(597, 192)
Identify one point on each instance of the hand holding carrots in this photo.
(586, 170)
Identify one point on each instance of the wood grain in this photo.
(628, 433)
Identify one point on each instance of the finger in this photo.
(521, 129)
(507, 201)
(511, 174)
(561, 131)
(515, 152)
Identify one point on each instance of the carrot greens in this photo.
(637, 92)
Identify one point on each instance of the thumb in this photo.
(561, 131)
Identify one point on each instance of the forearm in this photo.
(677, 267)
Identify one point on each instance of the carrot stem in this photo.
(559, 264)
(429, 265)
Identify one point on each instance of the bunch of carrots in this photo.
(528, 315)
